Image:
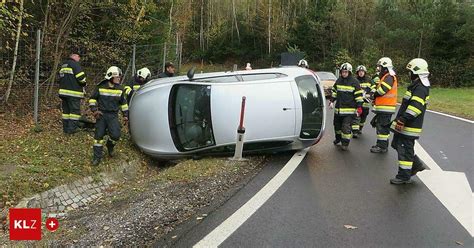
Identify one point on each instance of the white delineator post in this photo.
(239, 146)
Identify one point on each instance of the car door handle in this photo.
(285, 109)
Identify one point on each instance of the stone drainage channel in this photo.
(58, 201)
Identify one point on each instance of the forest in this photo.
(328, 32)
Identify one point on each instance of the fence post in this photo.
(239, 145)
(37, 69)
(133, 60)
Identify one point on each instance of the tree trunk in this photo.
(419, 47)
(235, 21)
(60, 41)
(201, 27)
(15, 54)
(171, 20)
(269, 26)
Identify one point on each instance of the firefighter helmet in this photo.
(361, 68)
(303, 63)
(418, 66)
(113, 71)
(347, 67)
(385, 62)
(144, 72)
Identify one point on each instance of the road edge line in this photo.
(451, 116)
(232, 223)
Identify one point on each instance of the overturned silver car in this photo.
(198, 115)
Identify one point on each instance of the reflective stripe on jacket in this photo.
(412, 110)
(71, 79)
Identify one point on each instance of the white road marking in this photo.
(451, 116)
(447, 115)
(451, 188)
(231, 224)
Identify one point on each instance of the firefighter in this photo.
(169, 71)
(105, 102)
(72, 81)
(347, 94)
(385, 101)
(248, 67)
(409, 122)
(365, 84)
(142, 77)
(303, 63)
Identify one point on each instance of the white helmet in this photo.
(385, 62)
(113, 71)
(248, 67)
(144, 73)
(303, 63)
(418, 66)
(346, 66)
(361, 68)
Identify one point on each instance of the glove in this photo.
(359, 111)
(331, 105)
(97, 114)
(399, 125)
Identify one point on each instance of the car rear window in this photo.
(326, 76)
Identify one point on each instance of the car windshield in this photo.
(190, 117)
(324, 76)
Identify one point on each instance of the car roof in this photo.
(288, 71)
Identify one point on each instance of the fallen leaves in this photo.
(350, 227)
(459, 243)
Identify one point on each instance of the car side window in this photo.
(224, 79)
(263, 76)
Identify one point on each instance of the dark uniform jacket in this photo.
(133, 86)
(348, 96)
(366, 85)
(412, 110)
(109, 99)
(165, 74)
(71, 79)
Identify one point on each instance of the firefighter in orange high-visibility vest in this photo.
(385, 102)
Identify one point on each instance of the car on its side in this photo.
(183, 116)
(327, 79)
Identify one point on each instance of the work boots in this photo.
(378, 149)
(95, 161)
(399, 181)
(417, 167)
(110, 150)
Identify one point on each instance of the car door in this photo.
(269, 111)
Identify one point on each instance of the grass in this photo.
(33, 161)
(455, 101)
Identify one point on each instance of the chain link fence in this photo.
(129, 57)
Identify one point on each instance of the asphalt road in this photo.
(332, 188)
